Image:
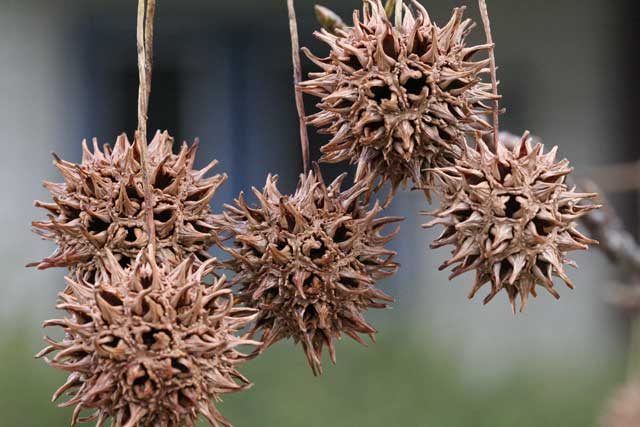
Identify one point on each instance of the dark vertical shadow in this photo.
(239, 105)
(164, 103)
(628, 34)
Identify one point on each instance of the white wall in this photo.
(37, 94)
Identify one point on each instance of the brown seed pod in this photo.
(309, 262)
(149, 345)
(398, 100)
(624, 409)
(511, 218)
(99, 206)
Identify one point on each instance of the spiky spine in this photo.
(149, 345)
(98, 207)
(309, 262)
(511, 218)
(398, 100)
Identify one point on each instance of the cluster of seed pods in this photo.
(150, 332)
(407, 100)
(152, 329)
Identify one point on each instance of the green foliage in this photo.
(27, 383)
(391, 384)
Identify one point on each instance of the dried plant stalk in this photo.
(144, 36)
(484, 12)
(297, 77)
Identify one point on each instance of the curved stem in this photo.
(297, 78)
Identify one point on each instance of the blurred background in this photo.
(222, 73)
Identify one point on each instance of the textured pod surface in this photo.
(398, 99)
(148, 345)
(309, 262)
(624, 409)
(99, 206)
(511, 218)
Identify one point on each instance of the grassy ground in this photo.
(390, 384)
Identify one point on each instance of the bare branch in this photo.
(615, 178)
(618, 244)
(624, 296)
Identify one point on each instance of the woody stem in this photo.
(297, 78)
(494, 79)
(144, 36)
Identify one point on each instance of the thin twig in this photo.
(142, 75)
(624, 296)
(144, 37)
(617, 177)
(297, 78)
(148, 44)
(494, 79)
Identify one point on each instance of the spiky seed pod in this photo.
(99, 206)
(398, 99)
(149, 345)
(511, 218)
(624, 409)
(309, 262)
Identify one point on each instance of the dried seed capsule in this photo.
(99, 206)
(398, 100)
(511, 218)
(309, 262)
(149, 345)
